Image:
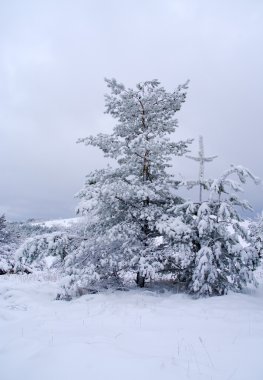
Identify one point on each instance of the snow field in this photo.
(126, 335)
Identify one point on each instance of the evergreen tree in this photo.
(214, 258)
(256, 235)
(202, 159)
(131, 203)
(6, 247)
(2, 228)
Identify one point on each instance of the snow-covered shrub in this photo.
(12, 236)
(7, 247)
(217, 261)
(256, 234)
(35, 251)
(6, 259)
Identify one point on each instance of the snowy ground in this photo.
(127, 335)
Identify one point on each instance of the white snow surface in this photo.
(138, 334)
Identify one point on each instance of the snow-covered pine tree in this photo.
(218, 256)
(256, 234)
(7, 246)
(131, 203)
(202, 159)
(4, 233)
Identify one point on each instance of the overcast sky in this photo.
(55, 54)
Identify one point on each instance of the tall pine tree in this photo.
(132, 203)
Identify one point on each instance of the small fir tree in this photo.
(256, 235)
(202, 159)
(218, 260)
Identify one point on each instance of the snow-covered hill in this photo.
(60, 222)
(127, 335)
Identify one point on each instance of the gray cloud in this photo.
(55, 54)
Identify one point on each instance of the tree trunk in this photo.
(140, 280)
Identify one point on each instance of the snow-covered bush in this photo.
(12, 236)
(7, 247)
(55, 246)
(6, 259)
(214, 259)
(256, 234)
(4, 233)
